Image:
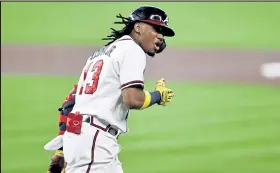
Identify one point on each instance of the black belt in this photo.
(108, 129)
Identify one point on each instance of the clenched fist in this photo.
(166, 93)
(57, 163)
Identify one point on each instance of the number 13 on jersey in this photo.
(94, 73)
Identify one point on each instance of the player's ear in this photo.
(137, 28)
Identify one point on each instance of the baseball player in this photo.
(111, 84)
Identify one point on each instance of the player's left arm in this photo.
(65, 109)
(57, 164)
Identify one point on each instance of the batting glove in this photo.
(166, 93)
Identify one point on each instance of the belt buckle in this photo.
(111, 130)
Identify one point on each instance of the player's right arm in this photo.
(132, 83)
(137, 98)
(134, 97)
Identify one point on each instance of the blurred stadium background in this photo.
(225, 116)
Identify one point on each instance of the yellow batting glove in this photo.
(166, 93)
(161, 82)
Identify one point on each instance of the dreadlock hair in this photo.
(116, 34)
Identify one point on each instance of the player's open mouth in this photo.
(157, 45)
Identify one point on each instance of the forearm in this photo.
(151, 98)
(67, 106)
(138, 99)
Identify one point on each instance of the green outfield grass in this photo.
(196, 24)
(211, 128)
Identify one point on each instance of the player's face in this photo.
(151, 38)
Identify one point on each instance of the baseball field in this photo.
(224, 118)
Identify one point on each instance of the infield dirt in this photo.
(174, 64)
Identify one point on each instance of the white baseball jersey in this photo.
(105, 74)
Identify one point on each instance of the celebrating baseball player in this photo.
(111, 83)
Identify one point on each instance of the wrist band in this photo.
(155, 97)
(151, 98)
(147, 100)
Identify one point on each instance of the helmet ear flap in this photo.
(162, 46)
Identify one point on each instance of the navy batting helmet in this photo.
(154, 16)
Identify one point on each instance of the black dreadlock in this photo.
(118, 34)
